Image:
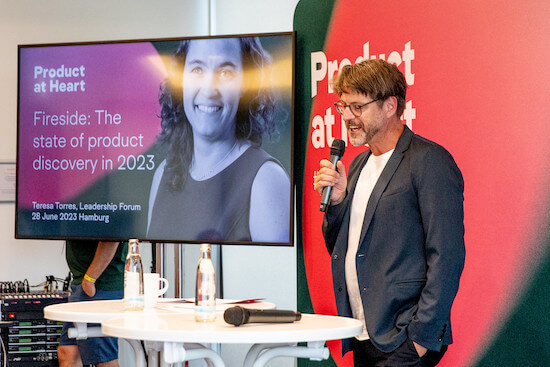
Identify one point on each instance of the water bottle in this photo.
(133, 278)
(205, 287)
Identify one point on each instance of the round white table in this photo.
(82, 313)
(97, 311)
(270, 340)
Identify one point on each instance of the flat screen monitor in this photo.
(185, 140)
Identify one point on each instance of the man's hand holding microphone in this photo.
(330, 180)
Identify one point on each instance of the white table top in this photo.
(183, 328)
(98, 311)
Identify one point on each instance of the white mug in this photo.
(152, 289)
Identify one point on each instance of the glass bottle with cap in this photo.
(205, 287)
(133, 278)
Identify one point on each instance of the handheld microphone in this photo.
(238, 315)
(336, 153)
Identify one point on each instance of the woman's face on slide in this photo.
(212, 87)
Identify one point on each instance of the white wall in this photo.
(248, 272)
(253, 16)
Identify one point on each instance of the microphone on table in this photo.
(336, 153)
(238, 315)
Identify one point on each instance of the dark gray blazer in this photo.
(411, 250)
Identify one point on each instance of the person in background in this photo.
(395, 226)
(98, 274)
(216, 182)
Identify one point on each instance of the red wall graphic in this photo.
(478, 85)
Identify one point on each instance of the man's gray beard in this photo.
(363, 138)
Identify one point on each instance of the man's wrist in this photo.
(89, 278)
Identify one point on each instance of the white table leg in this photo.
(313, 351)
(152, 358)
(139, 354)
(153, 350)
(163, 362)
(256, 350)
(82, 331)
(179, 352)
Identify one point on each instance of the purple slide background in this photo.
(121, 79)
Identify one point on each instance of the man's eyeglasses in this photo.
(356, 109)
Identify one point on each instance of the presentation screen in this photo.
(185, 140)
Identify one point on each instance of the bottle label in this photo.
(205, 313)
(131, 288)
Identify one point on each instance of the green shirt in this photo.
(79, 255)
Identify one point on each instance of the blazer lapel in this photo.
(384, 179)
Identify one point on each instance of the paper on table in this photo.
(175, 304)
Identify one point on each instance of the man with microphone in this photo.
(394, 225)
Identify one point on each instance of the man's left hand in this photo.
(88, 287)
(420, 349)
